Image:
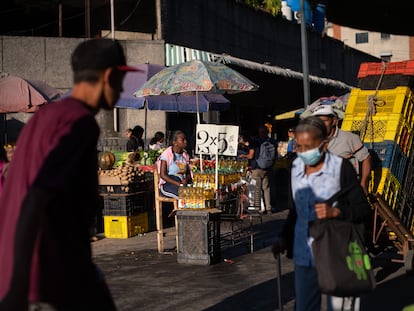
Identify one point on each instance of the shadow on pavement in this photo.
(392, 295)
(260, 297)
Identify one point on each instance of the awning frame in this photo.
(175, 54)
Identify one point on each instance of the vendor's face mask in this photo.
(312, 156)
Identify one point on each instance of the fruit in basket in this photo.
(106, 160)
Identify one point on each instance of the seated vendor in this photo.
(173, 166)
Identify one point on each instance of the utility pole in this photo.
(305, 58)
(87, 18)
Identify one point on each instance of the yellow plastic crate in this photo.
(392, 127)
(386, 184)
(412, 226)
(398, 100)
(123, 227)
(387, 127)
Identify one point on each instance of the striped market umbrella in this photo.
(196, 76)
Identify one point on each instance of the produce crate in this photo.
(230, 208)
(385, 128)
(390, 81)
(123, 227)
(408, 179)
(254, 194)
(398, 100)
(388, 154)
(387, 185)
(122, 189)
(198, 236)
(405, 209)
(376, 68)
(126, 204)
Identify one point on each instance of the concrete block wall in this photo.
(48, 59)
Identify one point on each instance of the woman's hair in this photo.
(174, 136)
(157, 137)
(138, 131)
(313, 124)
(245, 136)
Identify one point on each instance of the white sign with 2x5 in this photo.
(217, 139)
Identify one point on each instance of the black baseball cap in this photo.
(98, 54)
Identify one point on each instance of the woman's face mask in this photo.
(312, 156)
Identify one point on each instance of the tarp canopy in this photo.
(20, 95)
(289, 114)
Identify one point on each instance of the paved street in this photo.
(142, 279)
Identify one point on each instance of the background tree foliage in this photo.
(270, 6)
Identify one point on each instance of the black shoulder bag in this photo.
(343, 265)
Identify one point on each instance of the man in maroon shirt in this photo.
(50, 196)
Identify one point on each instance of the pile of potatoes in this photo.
(127, 173)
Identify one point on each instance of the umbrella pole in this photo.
(5, 128)
(217, 171)
(198, 109)
(145, 125)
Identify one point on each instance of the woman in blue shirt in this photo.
(316, 175)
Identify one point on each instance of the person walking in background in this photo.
(346, 144)
(132, 143)
(243, 147)
(4, 162)
(262, 154)
(173, 166)
(50, 196)
(8, 156)
(316, 175)
(291, 147)
(157, 142)
(10, 148)
(138, 132)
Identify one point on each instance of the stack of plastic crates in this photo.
(125, 215)
(395, 74)
(254, 194)
(388, 134)
(198, 237)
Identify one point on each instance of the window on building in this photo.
(385, 36)
(361, 37)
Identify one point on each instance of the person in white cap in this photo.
(346, 144)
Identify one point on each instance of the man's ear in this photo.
(325, 145)
(107, 74)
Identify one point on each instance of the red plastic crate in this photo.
(403, 67)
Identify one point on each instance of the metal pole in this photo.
(60, 19)
(112, 20)
(305, 59)
(113, 38)
(198, 109)
(87, 18)
(158, 16)
(145, 125)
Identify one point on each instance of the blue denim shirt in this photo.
(307, 190)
